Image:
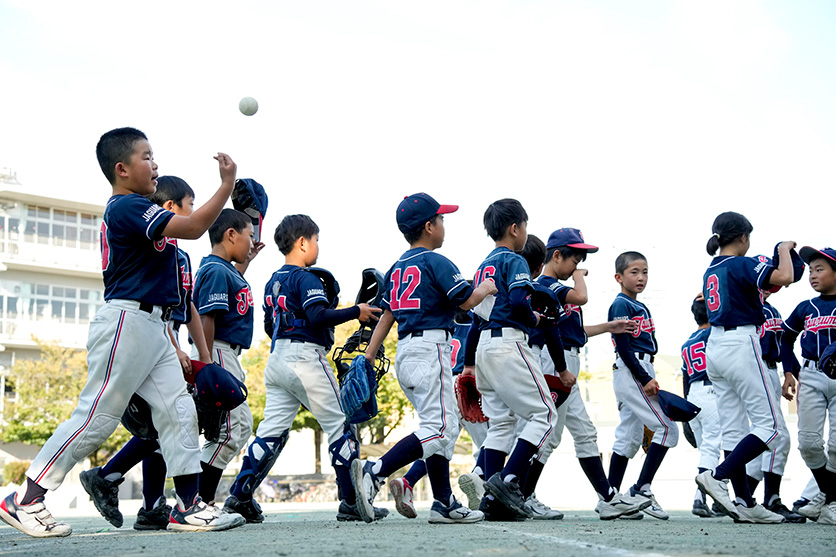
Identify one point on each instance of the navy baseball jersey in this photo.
(220, 289)
(732, 285)
(291, 292)
(138, 263)
(693, 357)
(423, 290)
(643, 339)
(509, 271)
(183, 312)
(771, 333)
(548, 285)
(571, 327)
(816, 321)
(460, 331)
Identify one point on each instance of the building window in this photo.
(60, 227)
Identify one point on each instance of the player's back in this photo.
(508, 270)
(423, 289)
(731, 287)
(290, 292)
(694, 363)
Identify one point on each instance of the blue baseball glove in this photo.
(358, 390)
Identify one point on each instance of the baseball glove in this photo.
(648, 437)
(547, 307)
(358, 391)
(688, 433)
(469, 399)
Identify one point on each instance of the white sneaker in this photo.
(541, 511)
(366, 485)
(33, 519)
(757, 515)
(621, 505)
(813, 509)
(456, 513)
(402, 492)
(201, 517)
(473, 487)
(718, 490)
(653, 509)
(828, 514)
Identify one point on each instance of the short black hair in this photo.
(171, 188)
(625, 259)
(501, 214)
(291, 229)
(700, 311)
(229, 218)
(823, 258)
(566, 252)
(415, 234)
(534, 252)
(116, 146)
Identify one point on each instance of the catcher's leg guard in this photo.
(260, 457)
(343, 451)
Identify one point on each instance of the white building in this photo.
(50, 272)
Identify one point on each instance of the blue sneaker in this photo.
(456, 513)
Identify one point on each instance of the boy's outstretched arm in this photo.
(193, 227)
(384, 325)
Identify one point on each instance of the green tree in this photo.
(48, 390)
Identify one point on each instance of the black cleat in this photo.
(250, 510)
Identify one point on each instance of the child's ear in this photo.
(169, 205)
(618, 278)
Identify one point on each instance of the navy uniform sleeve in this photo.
(311, 289)
(139, 217)
(213, 294)
(762, 273)
(387, 291)
(450, 280)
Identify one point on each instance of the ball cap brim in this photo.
(808, 254)
(417, 209)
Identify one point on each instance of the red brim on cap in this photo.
(444, 209)
(808, 254)
(588, 247)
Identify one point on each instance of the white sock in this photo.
(509, 477)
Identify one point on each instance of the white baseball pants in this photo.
(816, 399)
(512, 385)
(706, 426)
(637, 410)
(128, 351)
(238, 427)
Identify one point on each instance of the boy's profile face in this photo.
(822, 276)
(140, 172)
(634, 278)
(311, 249)
(437, 232)
(184, 209)
(241, 243)
(522, 235)
(565, 266)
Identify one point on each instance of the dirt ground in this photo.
(312, 530)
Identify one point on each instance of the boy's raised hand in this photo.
(227, 167)
(368, 312)
(621, 326)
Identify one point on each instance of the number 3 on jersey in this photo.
(712, 286)
(409, 281)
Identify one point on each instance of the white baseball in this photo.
(248, 106)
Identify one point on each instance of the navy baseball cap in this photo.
(217, 386)
(249, 197)
(417, 209)
(827, 363)
(677, 408)
(570, 237)
(808, 254)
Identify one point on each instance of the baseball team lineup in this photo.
(497, 356)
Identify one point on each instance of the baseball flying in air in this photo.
(248, 106)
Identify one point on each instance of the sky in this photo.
(637, 122)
